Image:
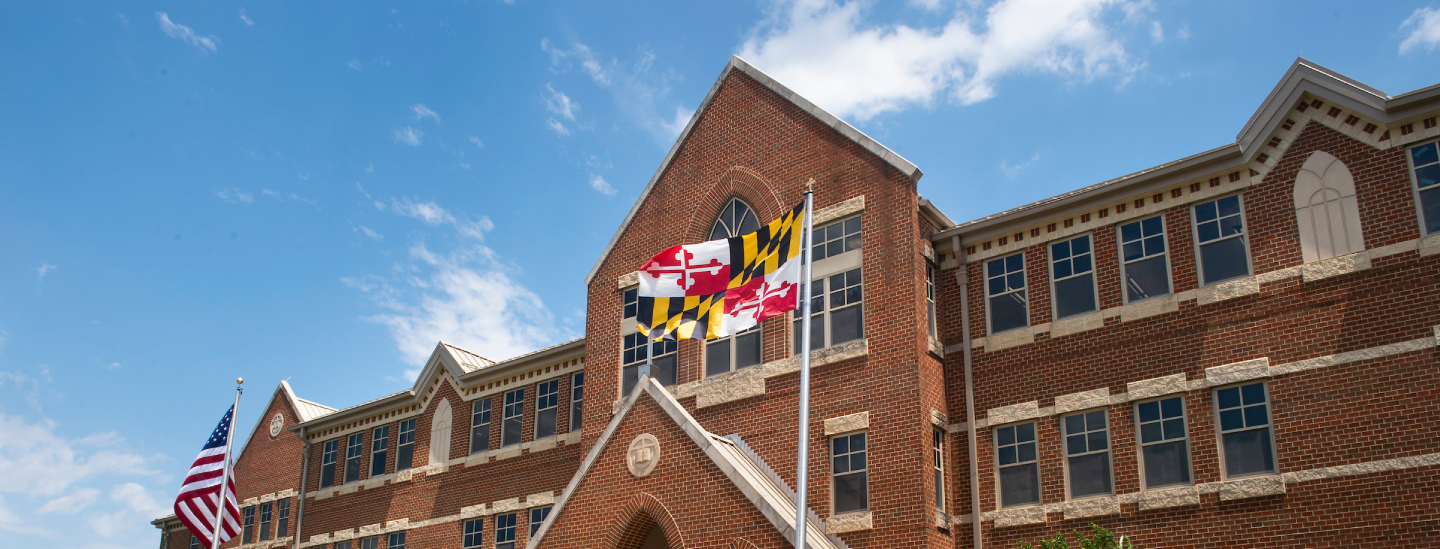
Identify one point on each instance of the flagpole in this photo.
(803, 462)
(225, 476)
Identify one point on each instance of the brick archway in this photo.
(737, 182)
(634, 522)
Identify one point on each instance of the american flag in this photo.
(196, 504)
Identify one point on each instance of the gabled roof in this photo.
(738, 64)
(1304, 76)
(740, 464)
(305, 409)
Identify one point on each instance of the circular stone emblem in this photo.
(276, 423)
(644, 453)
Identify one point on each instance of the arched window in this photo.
(1325, 209)
(440, 433)
(742, 349)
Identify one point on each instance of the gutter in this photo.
(304, 482)
(963, 277)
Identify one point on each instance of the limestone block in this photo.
(1228, 290)
(849, 522)
(1335, 266)
(286, 493)
(1012, 413)
(1082, 400)
(628, 279)
(1092, 507)
(472, 511)
(397, 524)
(839, 211)
(1393, 249)
(403, 476)
(1012, 338)
(1252, 488)
(506, 505)
(542, 444)
(247, 502)
(1430, 245)
(1256, 368)
(1173, 497)
(507, 452)
(738, 388)
(1160, 386)
(368, 530)
(845, 424)
(1148, 308)
(935, 347)
(320, 538)
(1077, 324)
(540, 500)
(956, 348)
(937, 418)
(342, 535)
(1019, 517)
(942, 520)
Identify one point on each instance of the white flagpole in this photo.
(802, 464)
(225, 476)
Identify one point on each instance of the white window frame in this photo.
(530, 522)
(329, 450)
(479, 533)
(519, 406)
(1220, 435)
(267, 512)
(1120, 256)
(1065, 453)
(1415, 186)
(731, 341)
(830, 459)
(400, 443)
(930, 300)
(995, 460)
(937, 448)
(821, 288)
(1140, 444)
(359, 457)
(577, 401)
(513, 528)
(390, 540)
(1050, 274)
(1195, 241)
(483, 411)
(375, 440)
(540, 401)
(620, 379)
(985, 292)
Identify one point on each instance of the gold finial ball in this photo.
(240, 381)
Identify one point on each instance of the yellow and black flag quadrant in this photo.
(714, 289)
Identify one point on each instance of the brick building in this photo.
(1234, 348)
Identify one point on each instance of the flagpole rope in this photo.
(225, 476)
(802, 462)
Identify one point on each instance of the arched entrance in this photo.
(643, 523)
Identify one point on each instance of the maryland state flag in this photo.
(714, 289)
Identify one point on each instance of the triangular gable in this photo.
(305, 410)
(738, 64)
(741, 465)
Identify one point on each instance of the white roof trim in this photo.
(759, 486)
(736, 63)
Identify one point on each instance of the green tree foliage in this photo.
(1100, 538)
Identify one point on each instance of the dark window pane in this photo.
(664, 370)
(1075, 444)
(1252, 394)
(352, 470)
(852, 225)
(1134, 250)
(404, 457)
(1098, 441)
(1224, 260)
(1007, 312)
(1129, 232)
(852, 242)
(717, 357)
(1089, 475)
(853, 295)
(850, 493)
(1427, 176)
(857, 442)
(1171, 407)
(1075, 424)
(995, 268)
(848, 325)
(834, 248)
(1019, 485)
(1152, 226)
(1150, 432)
(1149, 411)
(1174, 428)
(1007, 455)
(1014, 263)
(1095, 420)
(1229, 398)
(1248, 452)
(1025, 432)
(747, 350)
(1015, 281)
(1082, 263)
(1080, 245)
(1230, 225)
(1205, 212)
(1166, 464)
(511, 432)
(1059, 251)
(629, 375)
(1075, 296)
(1229, 205)
(1026, 451)
(857, 461)
(1255, 415)
(997, 285)
(1146, 279)
(1424, 154)
(841, 445)
(841, 464)
(1231, 419)
(1062, 269)
(1007, 436)
(749, 224)
(1208, 231)
(545, 423)
(1430, 204)
(1155, 245)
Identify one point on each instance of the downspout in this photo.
(304, 482)
(963, 277)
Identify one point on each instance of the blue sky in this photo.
(318, 191)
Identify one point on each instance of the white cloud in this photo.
(557, 127)
(677, 125)
(1424, 26)
(184, 34)
(112, 366)
(71, 503)
(248, 22)
(581, 53)
(422, 112)
(354, 64)
(1013, 170)
(10, 522)
(235, 196)
(409, 136)
(371, 233)
(285, 197)
(1184, 33)
(598, 183)
(639, 90)
(44, 269)
(561, 104)
(35, 461)
(830, 54)
(1157, 32)
(434, 215)
(477, 142)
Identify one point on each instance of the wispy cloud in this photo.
(1424, 28)
(354, 64)
(422, 112)
(44, 269)
(36, 461)
(409, 136)
(285, 197)
(559, 103)
(434, 215)
(677, 124)
(248, 22)
(598, 183)
(830, 53)
(235, 196)
(557, 127)
(477, 142)
(185, 34)
(71, 503)
(639, 90)
(1013, 170)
